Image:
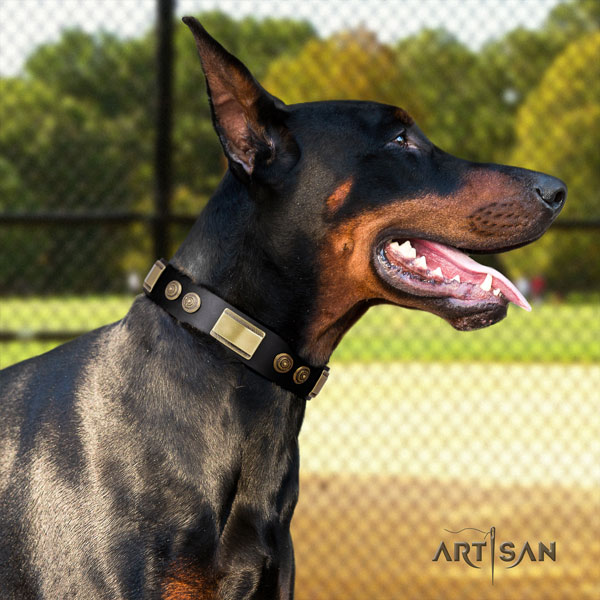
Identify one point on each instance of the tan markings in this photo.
(339, 195)
(187, 582)
(348, 282)
(404, 117)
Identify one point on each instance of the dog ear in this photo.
(248, 120)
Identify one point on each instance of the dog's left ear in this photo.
(250, 122)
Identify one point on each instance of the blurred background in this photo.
(107, 154)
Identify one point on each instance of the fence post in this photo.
(162, 155)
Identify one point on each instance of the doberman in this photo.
(150, 458)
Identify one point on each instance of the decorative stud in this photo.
(283, 363)
(301, 375)
(191, 302)
(173, 290)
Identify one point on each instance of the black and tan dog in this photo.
(146, 459)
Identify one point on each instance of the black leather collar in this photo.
(253, 344)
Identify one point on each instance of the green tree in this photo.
(557, 132)
(430, 74)
(113, 80)
(447, 91)
(78, 135)
(42, 130)
(510, 67)
(115, 76)
(13, 191)
(351, 65)
(573, 18)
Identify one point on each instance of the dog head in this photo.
(379, 213)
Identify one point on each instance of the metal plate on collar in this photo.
(155, 272)
(237, 334)
(320, 383)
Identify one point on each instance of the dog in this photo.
(157, 457)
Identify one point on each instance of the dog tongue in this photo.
(467, 264)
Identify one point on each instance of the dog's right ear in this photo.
(248, 120)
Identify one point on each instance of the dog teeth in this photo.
(438, 273)
(406, 250)
(456, 278)
(421, 262)
(486, 286)
(496, 292)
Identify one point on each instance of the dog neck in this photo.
(231, 252)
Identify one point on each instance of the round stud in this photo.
(191, 302)
(301, 375)
(283, 362)
(173, 290)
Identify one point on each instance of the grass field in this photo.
(550, 333)
(422, 429)
(373, 538)
(392, 455)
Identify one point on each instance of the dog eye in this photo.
(401, 139)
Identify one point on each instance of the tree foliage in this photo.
(78, 126)
(554, 124)
(78, 133)
(556, 132)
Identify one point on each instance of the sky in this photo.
(25, 24)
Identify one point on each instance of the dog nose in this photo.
(551, 190)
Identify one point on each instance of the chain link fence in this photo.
(422, 431)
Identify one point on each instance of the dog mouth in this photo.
(460, 285)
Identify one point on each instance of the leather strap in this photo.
(255, 345)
